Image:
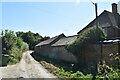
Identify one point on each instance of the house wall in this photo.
(107, 50)
(112, 32)
(88, 58)
(58, 52)
(62, 54)
(118, 32)
(43, 50)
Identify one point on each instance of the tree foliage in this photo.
(8, 41)
(30, 38)
(12, 45)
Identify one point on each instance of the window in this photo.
(105, 31)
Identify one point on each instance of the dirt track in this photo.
(27, 68)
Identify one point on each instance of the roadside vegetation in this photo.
(15, 43)
(12, 47)
(31, 38)
(91, 35)
(107, 72)
(63, 73)
(61, 69)
(71, 71)
(68, 71)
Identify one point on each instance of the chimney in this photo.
(114, 8)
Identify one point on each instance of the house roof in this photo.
(51, 40)
(65, 40)
(105, 19)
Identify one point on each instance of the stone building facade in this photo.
(55, 48)
(94, 53)
(109, 21)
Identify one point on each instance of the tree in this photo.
(8, 41)
(19, 34)
(30, 38)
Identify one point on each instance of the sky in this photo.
(50, 18)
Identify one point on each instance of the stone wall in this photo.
(107, 50)
(63, 54)
(59, 53)
(88, 58)
(43, 50)
(92, 55)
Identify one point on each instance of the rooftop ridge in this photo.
(71, 36)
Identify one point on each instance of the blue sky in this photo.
(49, 18)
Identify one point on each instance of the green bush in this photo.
(60, 72)
(89, 36)
(49, 66)
(25, 46)
(106, 72)
(70, 74)
(15, 55)
(110, 76)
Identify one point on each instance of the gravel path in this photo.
(27, 68)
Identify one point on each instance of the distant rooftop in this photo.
(50, 41)
(65, 40)
(59, 40)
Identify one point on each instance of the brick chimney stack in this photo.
(114, 8)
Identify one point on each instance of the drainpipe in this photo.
(118, 52)
(118, 47)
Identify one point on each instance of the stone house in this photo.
(109, 21)
(55, 48)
